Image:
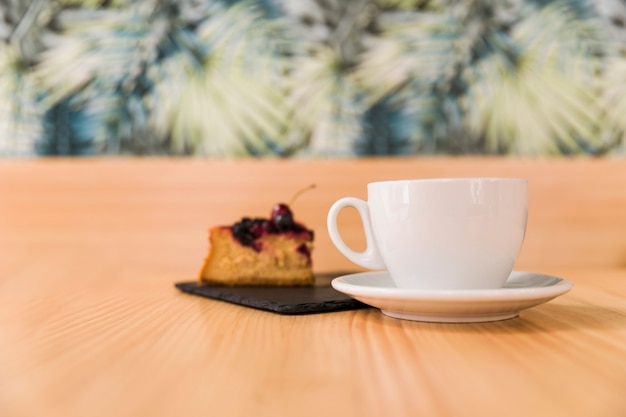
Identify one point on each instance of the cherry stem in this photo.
(300, 192)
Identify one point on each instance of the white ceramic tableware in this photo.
(521, 291)
(450, 233)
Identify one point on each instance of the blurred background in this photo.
(312, 77)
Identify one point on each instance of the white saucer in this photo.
(522, 290)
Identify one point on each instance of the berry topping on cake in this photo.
(247, 231)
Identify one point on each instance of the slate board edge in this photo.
(192, 287)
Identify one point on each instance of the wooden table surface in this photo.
(91, 324)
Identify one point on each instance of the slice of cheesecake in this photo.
(266, 252)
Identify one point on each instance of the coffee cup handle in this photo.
(370, 257)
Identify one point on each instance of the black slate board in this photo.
(319, 298)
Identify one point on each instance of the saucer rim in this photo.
(453, 306)
(559, 287)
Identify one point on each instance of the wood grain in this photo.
(91, 324)
(576, 214)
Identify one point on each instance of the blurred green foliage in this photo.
(312, 77)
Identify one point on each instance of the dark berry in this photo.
(248, 230)
(281, 217)
(304, 250)
(259, 227)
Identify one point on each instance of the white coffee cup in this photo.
(439, 234)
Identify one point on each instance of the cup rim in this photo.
(451, 179)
